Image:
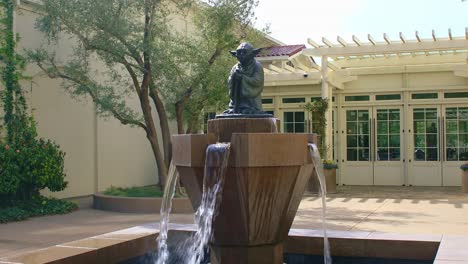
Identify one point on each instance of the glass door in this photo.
(454, 144)
(387, 156)
(424, 164)
(357, 165)
(373, 140)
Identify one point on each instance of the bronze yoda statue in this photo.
(245, 83)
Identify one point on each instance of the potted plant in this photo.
(464, 177)
(329, 169)
(318, 109)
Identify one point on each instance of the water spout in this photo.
(217, 157)
(166, 206)
(323, 193)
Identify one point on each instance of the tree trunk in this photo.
(164, 124)
(179, 117)
(162, 168)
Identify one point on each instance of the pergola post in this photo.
(327, 94)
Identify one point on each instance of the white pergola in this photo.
(344, 61)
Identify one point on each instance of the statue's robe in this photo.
(251, 87)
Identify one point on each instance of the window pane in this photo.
(289, 127)
(357, 98)
(394, 127)
(455, 95)
(451, 113)
(463, 126)
(299, 128)
(463, 140)
(363, 141)
(351, 141)
(452, 126)
(431, 140)
(267, 100)
(382, 141)
(382, 154)
(351, 154)
(395, 141)
(431, 113)
(293, 100)
(452, 154)
(431, 126)
(419, 127)
(363, 115)
(363, 127)
(420, 154)
(424, 96)
(463, 113)
(351, 127)
(363, 154)
(452, 140)
(382, 128)
(299, 117)
(420, 141)
(382, 115)
(388, 97)
(431, 154)
(394, 153)
(351, 115)
(288, 117)
(463, 153)
(394, 115)
(418, 114)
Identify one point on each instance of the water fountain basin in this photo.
(265, 180)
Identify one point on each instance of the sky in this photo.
(294, 21)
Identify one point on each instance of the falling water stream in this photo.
(217, 157)
(166, 206)
(323, 192)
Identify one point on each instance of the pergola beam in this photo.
(357, 41)
(393, 48)
(327, 42)
(403, 60)
(341, 41)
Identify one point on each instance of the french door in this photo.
(373, 146)
(438, 144)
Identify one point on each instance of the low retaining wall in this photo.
(139, 204)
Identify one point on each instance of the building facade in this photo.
(399, 108)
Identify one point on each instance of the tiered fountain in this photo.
(266, 174)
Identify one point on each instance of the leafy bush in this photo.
(16, 210)
(28, 166)
(145, 191)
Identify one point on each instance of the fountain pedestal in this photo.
(266, 177)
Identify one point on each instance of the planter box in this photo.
(313, 185)
(464, 181)
(139, 204)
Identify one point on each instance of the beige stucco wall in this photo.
(99, 152)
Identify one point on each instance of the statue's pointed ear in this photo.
(257, 51)
(233, 53)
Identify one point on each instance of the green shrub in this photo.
(16, 210)
(145, 191)
(26, 167)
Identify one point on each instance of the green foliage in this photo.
(329, 164)
(30, 166)
(145, 191)
(16, 210)
(27, 164)
(318, 110)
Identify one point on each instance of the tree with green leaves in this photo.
(144, 57)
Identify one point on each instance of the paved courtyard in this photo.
(408, 210)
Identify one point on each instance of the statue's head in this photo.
(245, 53)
